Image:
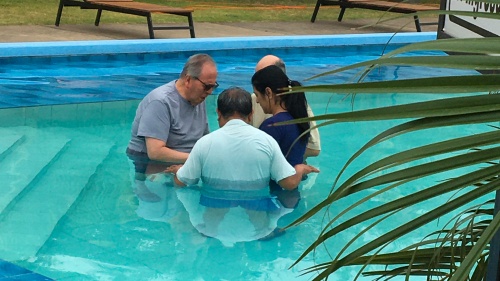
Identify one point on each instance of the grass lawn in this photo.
(43, 12)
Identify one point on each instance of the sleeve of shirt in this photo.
(190, 172)
(155, 121)
(280, 168)
(314, 140)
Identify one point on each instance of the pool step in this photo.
(8, 143)
(31, 217)
(23, 160)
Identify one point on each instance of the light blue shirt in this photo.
(236, 161)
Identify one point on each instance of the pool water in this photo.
(68, 211)
(42, 80)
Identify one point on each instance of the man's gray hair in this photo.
(195, 63)
(281, 64)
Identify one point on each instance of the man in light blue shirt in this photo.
(236, 162)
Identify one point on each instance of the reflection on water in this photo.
(242, 220)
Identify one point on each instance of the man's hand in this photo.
(173, 170)
(292, 182)
(306, 169)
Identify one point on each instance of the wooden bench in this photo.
(132, 8)
(387, 6)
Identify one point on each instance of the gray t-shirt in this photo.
(165, 115)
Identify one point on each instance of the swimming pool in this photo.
(68, 211)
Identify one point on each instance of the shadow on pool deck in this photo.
(65, 32)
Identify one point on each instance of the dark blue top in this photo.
(285, 135)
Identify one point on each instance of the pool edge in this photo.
(63, 48)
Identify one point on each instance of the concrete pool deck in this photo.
(66, 32)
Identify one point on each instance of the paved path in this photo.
(40, 33)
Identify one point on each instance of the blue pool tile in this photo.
(12, 272)
(9, 269)
(27, 277)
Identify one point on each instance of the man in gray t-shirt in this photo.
(171, 118)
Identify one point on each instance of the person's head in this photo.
(270, 85)
(198, 78)
(270, 60)
(234, 103)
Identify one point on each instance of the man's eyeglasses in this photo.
(207, 86)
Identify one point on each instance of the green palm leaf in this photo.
(460, 250)
(450, 84)
(485, 46)
(408, 227)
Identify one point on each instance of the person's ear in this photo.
(269, 92)
(187, 80)
(219, 115)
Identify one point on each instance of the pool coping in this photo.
(67, 48)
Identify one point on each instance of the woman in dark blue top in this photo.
(270, 85)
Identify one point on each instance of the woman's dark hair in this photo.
(234, 100)
(295, 103)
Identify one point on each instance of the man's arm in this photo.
(158, 151)
(173, 170)
(293, 181)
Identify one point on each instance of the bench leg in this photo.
(316, 9)
(150, 27)
(59, 12)
(417, 23)
(98, 17)
(341, 14)
(191, 25)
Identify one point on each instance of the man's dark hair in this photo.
(234, 100)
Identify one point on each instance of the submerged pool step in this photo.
(30, 221)
(24, 159)
(8, 143)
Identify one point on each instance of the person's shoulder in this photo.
(205, 141)
(159, 92)
(310, 112)
(284, 116)
(165, 87)
(280, 117)
(267, 124)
